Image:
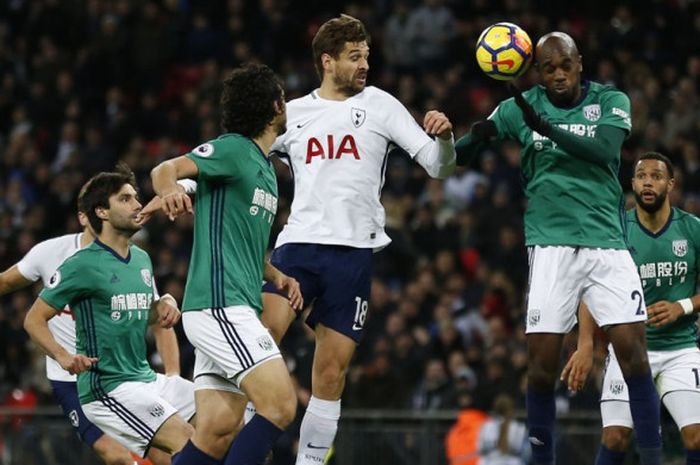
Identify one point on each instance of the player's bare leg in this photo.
(111, 452)
(543, 352)
(331, 359)
(691, 442)
(270, 389)
(277, 315)
(629, 343)
(158, 457)
(172, 436)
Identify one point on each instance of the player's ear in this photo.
(326, 60)
(671, 184)
(580, 64)
(101, 213)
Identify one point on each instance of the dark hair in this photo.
(660, 157)
(332, 37)
(81, 197)
(247, 100)
(97, 191)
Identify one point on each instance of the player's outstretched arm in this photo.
(579, 365)
(11, 280)
(188, 186)
(472, 143)
(438, 157)
(37, 326)
(174, 200)
(601, 149)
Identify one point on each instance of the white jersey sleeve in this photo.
(41, 262)
(402, 127)
(337, 153)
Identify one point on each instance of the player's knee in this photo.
(111, 452)
(616, 438)
(216, 437)
(331, 375)
(635, 362)
(541, 378)
(691, 436)
(284, 411)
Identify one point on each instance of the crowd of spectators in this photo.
(84, 83)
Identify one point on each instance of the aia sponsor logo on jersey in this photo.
(330, 149)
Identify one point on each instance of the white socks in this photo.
(318, 430)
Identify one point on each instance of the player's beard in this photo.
(126, 226)
(654, 206)
(347, 84)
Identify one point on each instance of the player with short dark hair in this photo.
(110, 288)
(337, 144)
(571, 131)
(665, 244)
(236, 202)
(40, 263)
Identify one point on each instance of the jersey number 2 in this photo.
(638, 295)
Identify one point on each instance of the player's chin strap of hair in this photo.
(687, 305)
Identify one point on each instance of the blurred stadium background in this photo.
(84, 83)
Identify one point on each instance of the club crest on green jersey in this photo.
(680, 247)
(147, 278)
(592, 112)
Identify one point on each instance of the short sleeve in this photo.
(502, 116)
(219, 159)
(30, 265)
(68, 284)
(615, 110)
(402, 128)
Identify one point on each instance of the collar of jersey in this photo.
(114, 252)
(661, 231)
(585, 84)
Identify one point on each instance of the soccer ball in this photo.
(504, 51)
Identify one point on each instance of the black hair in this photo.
(97, 191)
(247, 100)
(660, 157)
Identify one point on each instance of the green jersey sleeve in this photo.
(68, 284)
(219, 159)
(504, 116)
(615, 110)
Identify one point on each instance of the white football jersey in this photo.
(41, 262)
(337, 151)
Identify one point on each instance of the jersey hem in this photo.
(620, 246)
(355, 244)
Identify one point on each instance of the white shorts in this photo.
(133, 412)
(229, 342)
(676, 374)
(561, 276)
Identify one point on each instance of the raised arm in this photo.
(438, 156)
(173, 197)
(36, 323)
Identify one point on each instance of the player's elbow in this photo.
(440, 171)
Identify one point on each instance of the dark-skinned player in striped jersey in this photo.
(571, 132)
